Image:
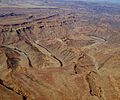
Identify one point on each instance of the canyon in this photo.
(60, 51)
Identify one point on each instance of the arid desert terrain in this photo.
(59, 50)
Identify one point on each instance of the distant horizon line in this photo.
(109, 1)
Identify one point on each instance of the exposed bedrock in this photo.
(66, 56)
